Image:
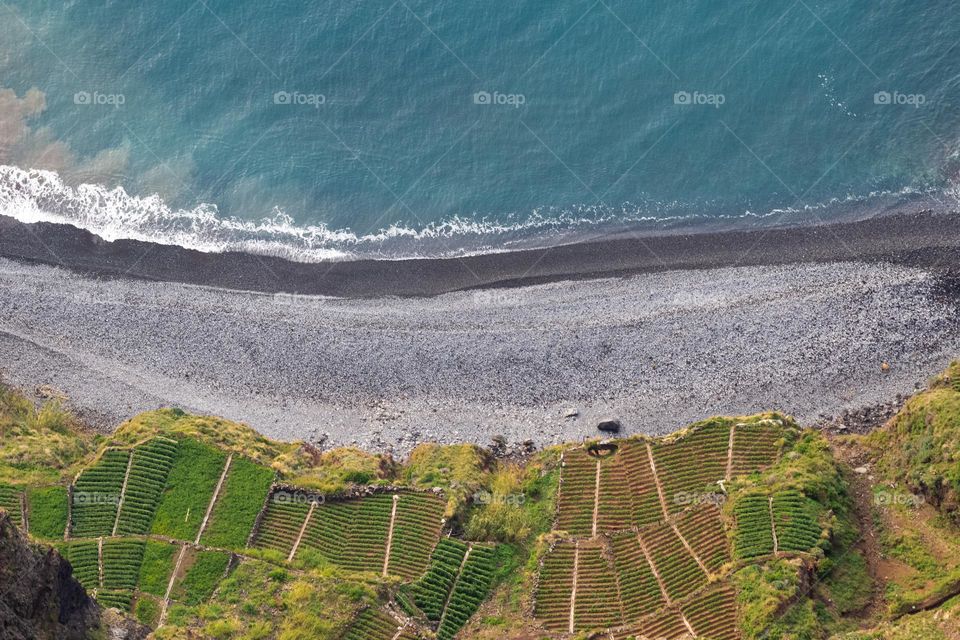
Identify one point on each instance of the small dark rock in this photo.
(609, 426)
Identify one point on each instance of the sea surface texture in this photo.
(338, 129)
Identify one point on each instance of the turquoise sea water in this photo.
(431, 127)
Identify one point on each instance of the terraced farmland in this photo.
(96, 495)
(615, 509)
(578, 480)
(115, 599)
(84, 558)
(689, 465)
(754, 535)
(416, 531)
(190, 484)
(149, 467)
(643, 487)
(640, 593)
(714, 615)
(596, 603)
(121, 563)
(10, 502)
(241, 498)
(795, 520)
(702, 528)
(281, 524)
(374, 624)
(555, 587)
(48, 511)
(431, 591)
(665, 625)
(679, 571)
(755, 446)
(470, 589)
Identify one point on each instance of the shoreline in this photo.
(918, 239)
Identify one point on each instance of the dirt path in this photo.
(653, 568)
(573, 590)
(596, 501)
(173, 579)
(453, 587)
(393, 522)
(690, 550)
(729, 474)
(656, 481)
(306, 522)
(689, 626)
(100, 562)
(213, 498)
(123, 492)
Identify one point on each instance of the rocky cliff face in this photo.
(39, 598)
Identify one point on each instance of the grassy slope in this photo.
(244, 490)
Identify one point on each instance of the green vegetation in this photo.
(121, 563)
(204, 571)
(10, 502)
(115, 599)
(147, 611)
(431, 591)
(157, 565)
(84, 558)
(148, 474)
(240, 500)
(96, 495)
(190, 484)
(471, 588)
(48, 511)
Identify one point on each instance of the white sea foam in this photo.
(32, 196)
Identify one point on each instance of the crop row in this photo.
(665, 625)
(597, 605)
(372, 624)
(679, 571)
(691, 463)
(639, 590)
(714, 614)
(431, 591)
(755, 446)
(96, 494)
(84, 557)
(643, 488)
(471, 588)
(753, 536)
(121, 563)
(10, 502)
(148, 476)
(415, 533)
(615, 511)
(578, 479)
(281, 524)
(116, 599)
(702, 528)
(795, 517)
(556, 586)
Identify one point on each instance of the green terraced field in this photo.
(373, 624)
(115, 599)
(471, 588)
(10, 502)
(190, 484)
(753, 536)
(48, 511)
(204, 571)
(795, 517)
(555, 586)
(148, 476)
(691, 464)
(714, 615)
(577, 486)
(96, 494)
(755, 446)
(679, 571)
(431, 591)
(281, 523)
(157, 565)
(83, 557)
(121, 563)
(241, 498)
(639, 590)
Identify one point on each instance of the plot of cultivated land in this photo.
(679, 571)
(639, 590)
(121, 563)
(470, 589)
(713, 615)
(665, 625)
(190, 484)
(96, 494)
(688, 466)
(147, 610)
(157, 565)
(597, 605)
(112, 599)
(430, 593)
(703, 530)
(555, 587)
(643, 487)
(240, 500)
(795, 521)
(84, 558)
(281, 523)
(578, 480)
(755, 446)
(148, 476)
(754, 534)
(615, 507)
(48, 511)
(373, 624)
(10, 502)
(201, 571)
(415, 532)
(353, 534)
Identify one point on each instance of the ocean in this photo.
(398, 128)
